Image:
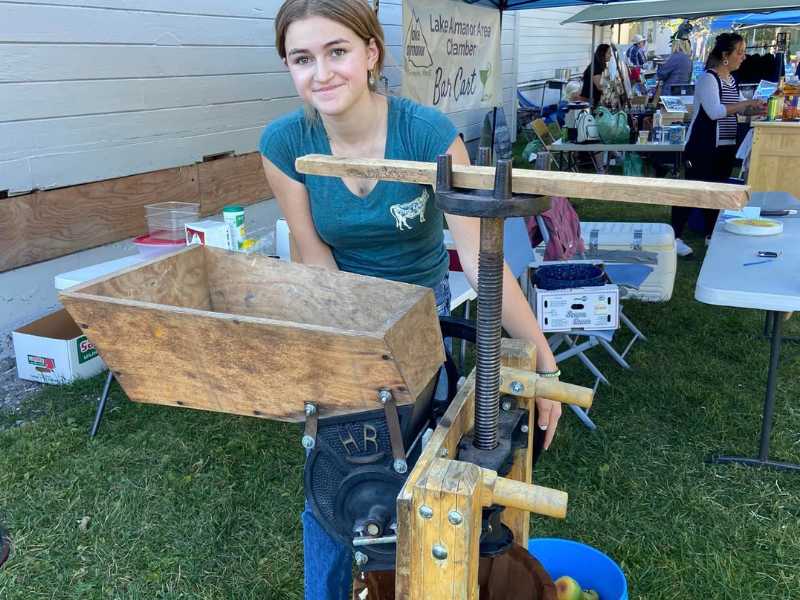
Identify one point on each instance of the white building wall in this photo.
(545, 45)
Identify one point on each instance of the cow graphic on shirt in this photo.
(409, 210)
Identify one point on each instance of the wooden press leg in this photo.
(447, 528)
(520, 354)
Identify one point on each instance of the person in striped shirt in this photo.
(711, 147)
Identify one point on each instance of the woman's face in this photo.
(328, 63)
(736, 57)
(607, 57)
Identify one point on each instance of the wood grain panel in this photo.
(232, 180)
(52, 223)
(45, 225)
(615, 188)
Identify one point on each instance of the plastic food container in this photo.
(150, 247)
(166, 220)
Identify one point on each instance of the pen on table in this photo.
(758, 262)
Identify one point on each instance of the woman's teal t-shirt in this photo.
(395, 232)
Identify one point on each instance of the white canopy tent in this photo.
(624, 12)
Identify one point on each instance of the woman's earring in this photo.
(725, 62)
(371, 79)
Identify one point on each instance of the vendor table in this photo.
(733, 275)
(677, 149)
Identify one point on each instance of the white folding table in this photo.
(734, 275)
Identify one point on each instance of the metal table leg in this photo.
(763, 459)
(101, 405)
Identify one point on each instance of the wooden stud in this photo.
(617, 188)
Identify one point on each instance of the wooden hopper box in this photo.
(246, 334)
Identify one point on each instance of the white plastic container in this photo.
(587, 308)
(636, 243)
(166, 220)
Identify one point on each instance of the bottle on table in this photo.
(775, 103)
(234, 218)
(657, 127)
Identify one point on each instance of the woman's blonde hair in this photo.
(681, 45)
(356, 15)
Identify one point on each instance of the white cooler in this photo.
(650, 244)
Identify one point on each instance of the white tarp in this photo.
(452, 55)
(622, 12)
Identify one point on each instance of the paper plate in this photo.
(753, 226)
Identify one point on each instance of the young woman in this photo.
(334, 51)
(711, 144)
(593, 75)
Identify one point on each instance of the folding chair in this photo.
(579, 341)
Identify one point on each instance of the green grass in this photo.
(186, 504)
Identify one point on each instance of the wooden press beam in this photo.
(616, 188)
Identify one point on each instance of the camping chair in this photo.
(578, 341)
(545, 137)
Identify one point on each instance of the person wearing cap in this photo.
(635, 55)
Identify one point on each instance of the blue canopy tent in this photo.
(785, 18)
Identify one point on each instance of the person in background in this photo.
(635, 55)
(592, 90)
(677, 69)
(711, 147)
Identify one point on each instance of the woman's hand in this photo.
(754, 107)
(549, 412)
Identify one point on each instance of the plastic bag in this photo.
(612, 127)
(633, 165)
(531, 149)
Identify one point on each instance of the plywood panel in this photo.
(263, 287)
(179, 280)
(37, 100)
(234, 364)
(47, 224)
(234, 180)
(59, 62)
(774, 158)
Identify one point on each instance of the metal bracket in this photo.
(310, 431)
(395, 435)
(637, 239)
(594, 234)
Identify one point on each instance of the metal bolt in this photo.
(361, 559)
(426, 512)
(439, 552)
(308, 442)
(455, 517)
(443, 452)
(373, 529)
(384, 396)
(517, 387)
(524, 429)
(506, 405)
(310, 409)
(400, 466)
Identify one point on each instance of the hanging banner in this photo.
(452, 54)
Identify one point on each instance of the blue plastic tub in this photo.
(588, 566)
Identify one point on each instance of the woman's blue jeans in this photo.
(327, 563)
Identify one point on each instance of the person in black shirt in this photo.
(594, 74)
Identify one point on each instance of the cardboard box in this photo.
(589, 308)
(53, 349)
(208, 233)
